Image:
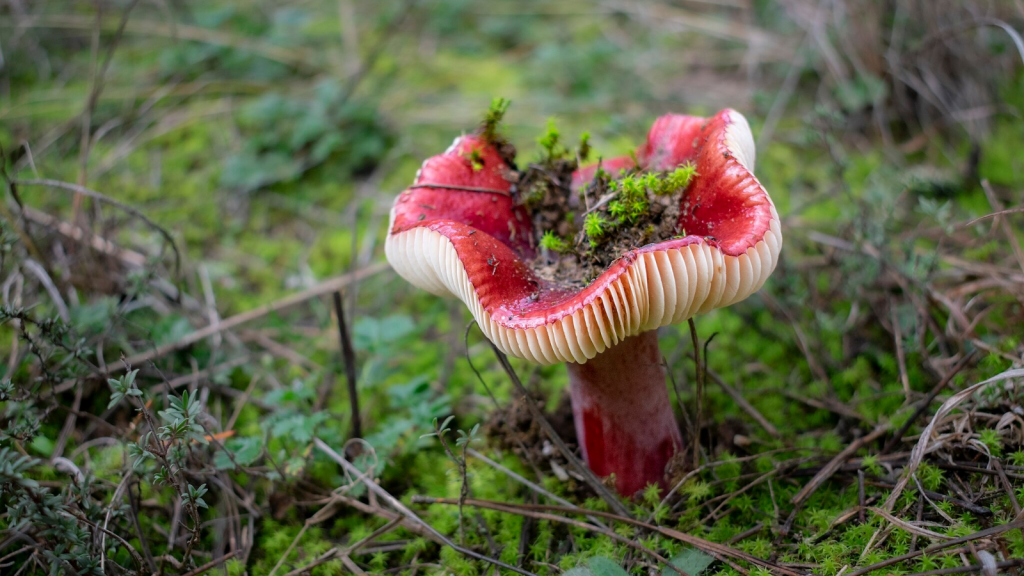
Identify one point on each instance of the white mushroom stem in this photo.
(624, 420)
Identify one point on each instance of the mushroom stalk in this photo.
(623, 415)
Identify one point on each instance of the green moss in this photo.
(552, 242)
(495, 114)
(595, 226)
(677, 180)
(456, 563)
(550, 143)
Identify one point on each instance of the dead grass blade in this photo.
(908, 526)
(745, 405)
(919, 451)
(994, 531)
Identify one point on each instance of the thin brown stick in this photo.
(531, 485)
(969, 506)
(333, 552)
(407, 523)
(76, 233)
(861, 496)
(833, 466)
(746, 533)
(325, 557)
(1008, 231)
(994, 214)
(348, 354)
(901, 356)
(1007, 487)
(98, 83)
(824, 474)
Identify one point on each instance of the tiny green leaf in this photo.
(601, 566)
(691, 561)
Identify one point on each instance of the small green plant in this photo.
(870, 463)
(6, 390)
(652, 495)
(992, 440)
(931, 477)
(195, 496)
(583, 150)
(458, 457)
(595, 226)
(123, 387)
(495, 114)
(476, 160)
(550, 142)
(677, 179)
(632, 203)
(1017, 458)
(550, 241)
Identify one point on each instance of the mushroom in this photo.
(457, 231)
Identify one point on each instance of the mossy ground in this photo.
(271, 152)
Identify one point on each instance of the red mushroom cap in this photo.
(457, 231)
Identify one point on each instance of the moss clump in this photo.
(550, 142)
(677, 180)
(634, 196)
(495, 114)
(595, 226)
(549, 241)
(631, 204)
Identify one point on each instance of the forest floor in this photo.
(194, 290)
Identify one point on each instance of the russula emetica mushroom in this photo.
(457, 231)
